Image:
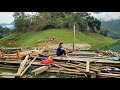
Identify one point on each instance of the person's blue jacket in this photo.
(58, 49)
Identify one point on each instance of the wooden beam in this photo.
(40, 70)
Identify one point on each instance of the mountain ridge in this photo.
(113, 27)
(10, 26)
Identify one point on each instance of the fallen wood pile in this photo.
(88, 65)
(84, 69)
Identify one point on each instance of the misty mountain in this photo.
(3, 24)
(12, 23)
(10, 26)
(113, 27)
(96, 12)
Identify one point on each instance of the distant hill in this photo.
(12, 23)
(11, 26)
(3, 24)
(113, 27)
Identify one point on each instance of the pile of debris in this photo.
(85, 64)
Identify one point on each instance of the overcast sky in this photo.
(106, 16)
(7, 17)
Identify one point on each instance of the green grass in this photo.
(65, 35)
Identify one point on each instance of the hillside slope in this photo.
(65, 35)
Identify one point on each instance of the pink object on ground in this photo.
(47, 61)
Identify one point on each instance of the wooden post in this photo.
(87, 66)
(18, 54)
(0, 54)
(74, 37)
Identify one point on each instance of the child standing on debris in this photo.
(60, 50)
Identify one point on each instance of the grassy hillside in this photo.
(65, 35)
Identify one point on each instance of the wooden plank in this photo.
(60, 67)
(87, 66)
(63, 71)
(40, 70)
(83, 67)
(37, 53)
(109, 75)
(56, 70)
(85, 59)
(8, 75)
(22, 65)
(37, 63)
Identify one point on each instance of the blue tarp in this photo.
(114, 58)
(31, 69)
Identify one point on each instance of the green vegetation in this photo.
(29, 30)
(46, 20)
(65, 35)
(3, 32)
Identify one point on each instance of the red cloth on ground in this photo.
(47, 61)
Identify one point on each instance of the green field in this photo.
(65, 35)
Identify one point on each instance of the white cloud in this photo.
(6, 17)
(106, 16)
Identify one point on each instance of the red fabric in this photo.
(47, 61)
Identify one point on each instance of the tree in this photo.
(22, 21)
(103, 32)
(93, 24)
(4, 32)
(45, 20)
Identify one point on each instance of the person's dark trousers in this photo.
(61, 52)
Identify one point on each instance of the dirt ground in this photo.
(83, 46)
